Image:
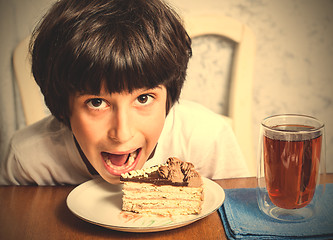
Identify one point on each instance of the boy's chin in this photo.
(113, 180)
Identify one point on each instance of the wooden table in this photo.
(30, 212)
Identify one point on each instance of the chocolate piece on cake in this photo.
(171, 189)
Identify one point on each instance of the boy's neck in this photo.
(90, 168)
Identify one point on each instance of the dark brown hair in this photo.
(125, 44)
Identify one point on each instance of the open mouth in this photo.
(117, 164)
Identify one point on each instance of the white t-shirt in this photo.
(45, 152)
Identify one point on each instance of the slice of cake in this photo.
(171, 189)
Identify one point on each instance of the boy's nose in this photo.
(120, 129)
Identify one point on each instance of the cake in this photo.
(174, 188)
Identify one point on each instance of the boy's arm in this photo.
(12, 172)
(230, 162)
(216, 148)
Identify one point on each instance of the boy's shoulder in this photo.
(193, 112)
(48, 127)
(43, 153)
(188, 119)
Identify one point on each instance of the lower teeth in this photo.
(130, 160)
(108, 162)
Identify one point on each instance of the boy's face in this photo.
(118, 132)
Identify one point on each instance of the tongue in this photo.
(118, 160)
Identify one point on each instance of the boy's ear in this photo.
(169, 105)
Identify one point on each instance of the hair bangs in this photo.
(133, 61)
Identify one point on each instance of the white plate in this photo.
(99, 202)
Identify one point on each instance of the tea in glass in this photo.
(291, 162)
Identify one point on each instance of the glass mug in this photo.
(291, 166)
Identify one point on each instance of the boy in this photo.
(111, 72)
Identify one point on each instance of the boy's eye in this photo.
(144, 99)
(96, 103)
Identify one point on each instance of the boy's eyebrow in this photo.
(82, 93)
(146, 89)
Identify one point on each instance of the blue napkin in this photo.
(242, 219)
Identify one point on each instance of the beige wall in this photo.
(294, 56)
